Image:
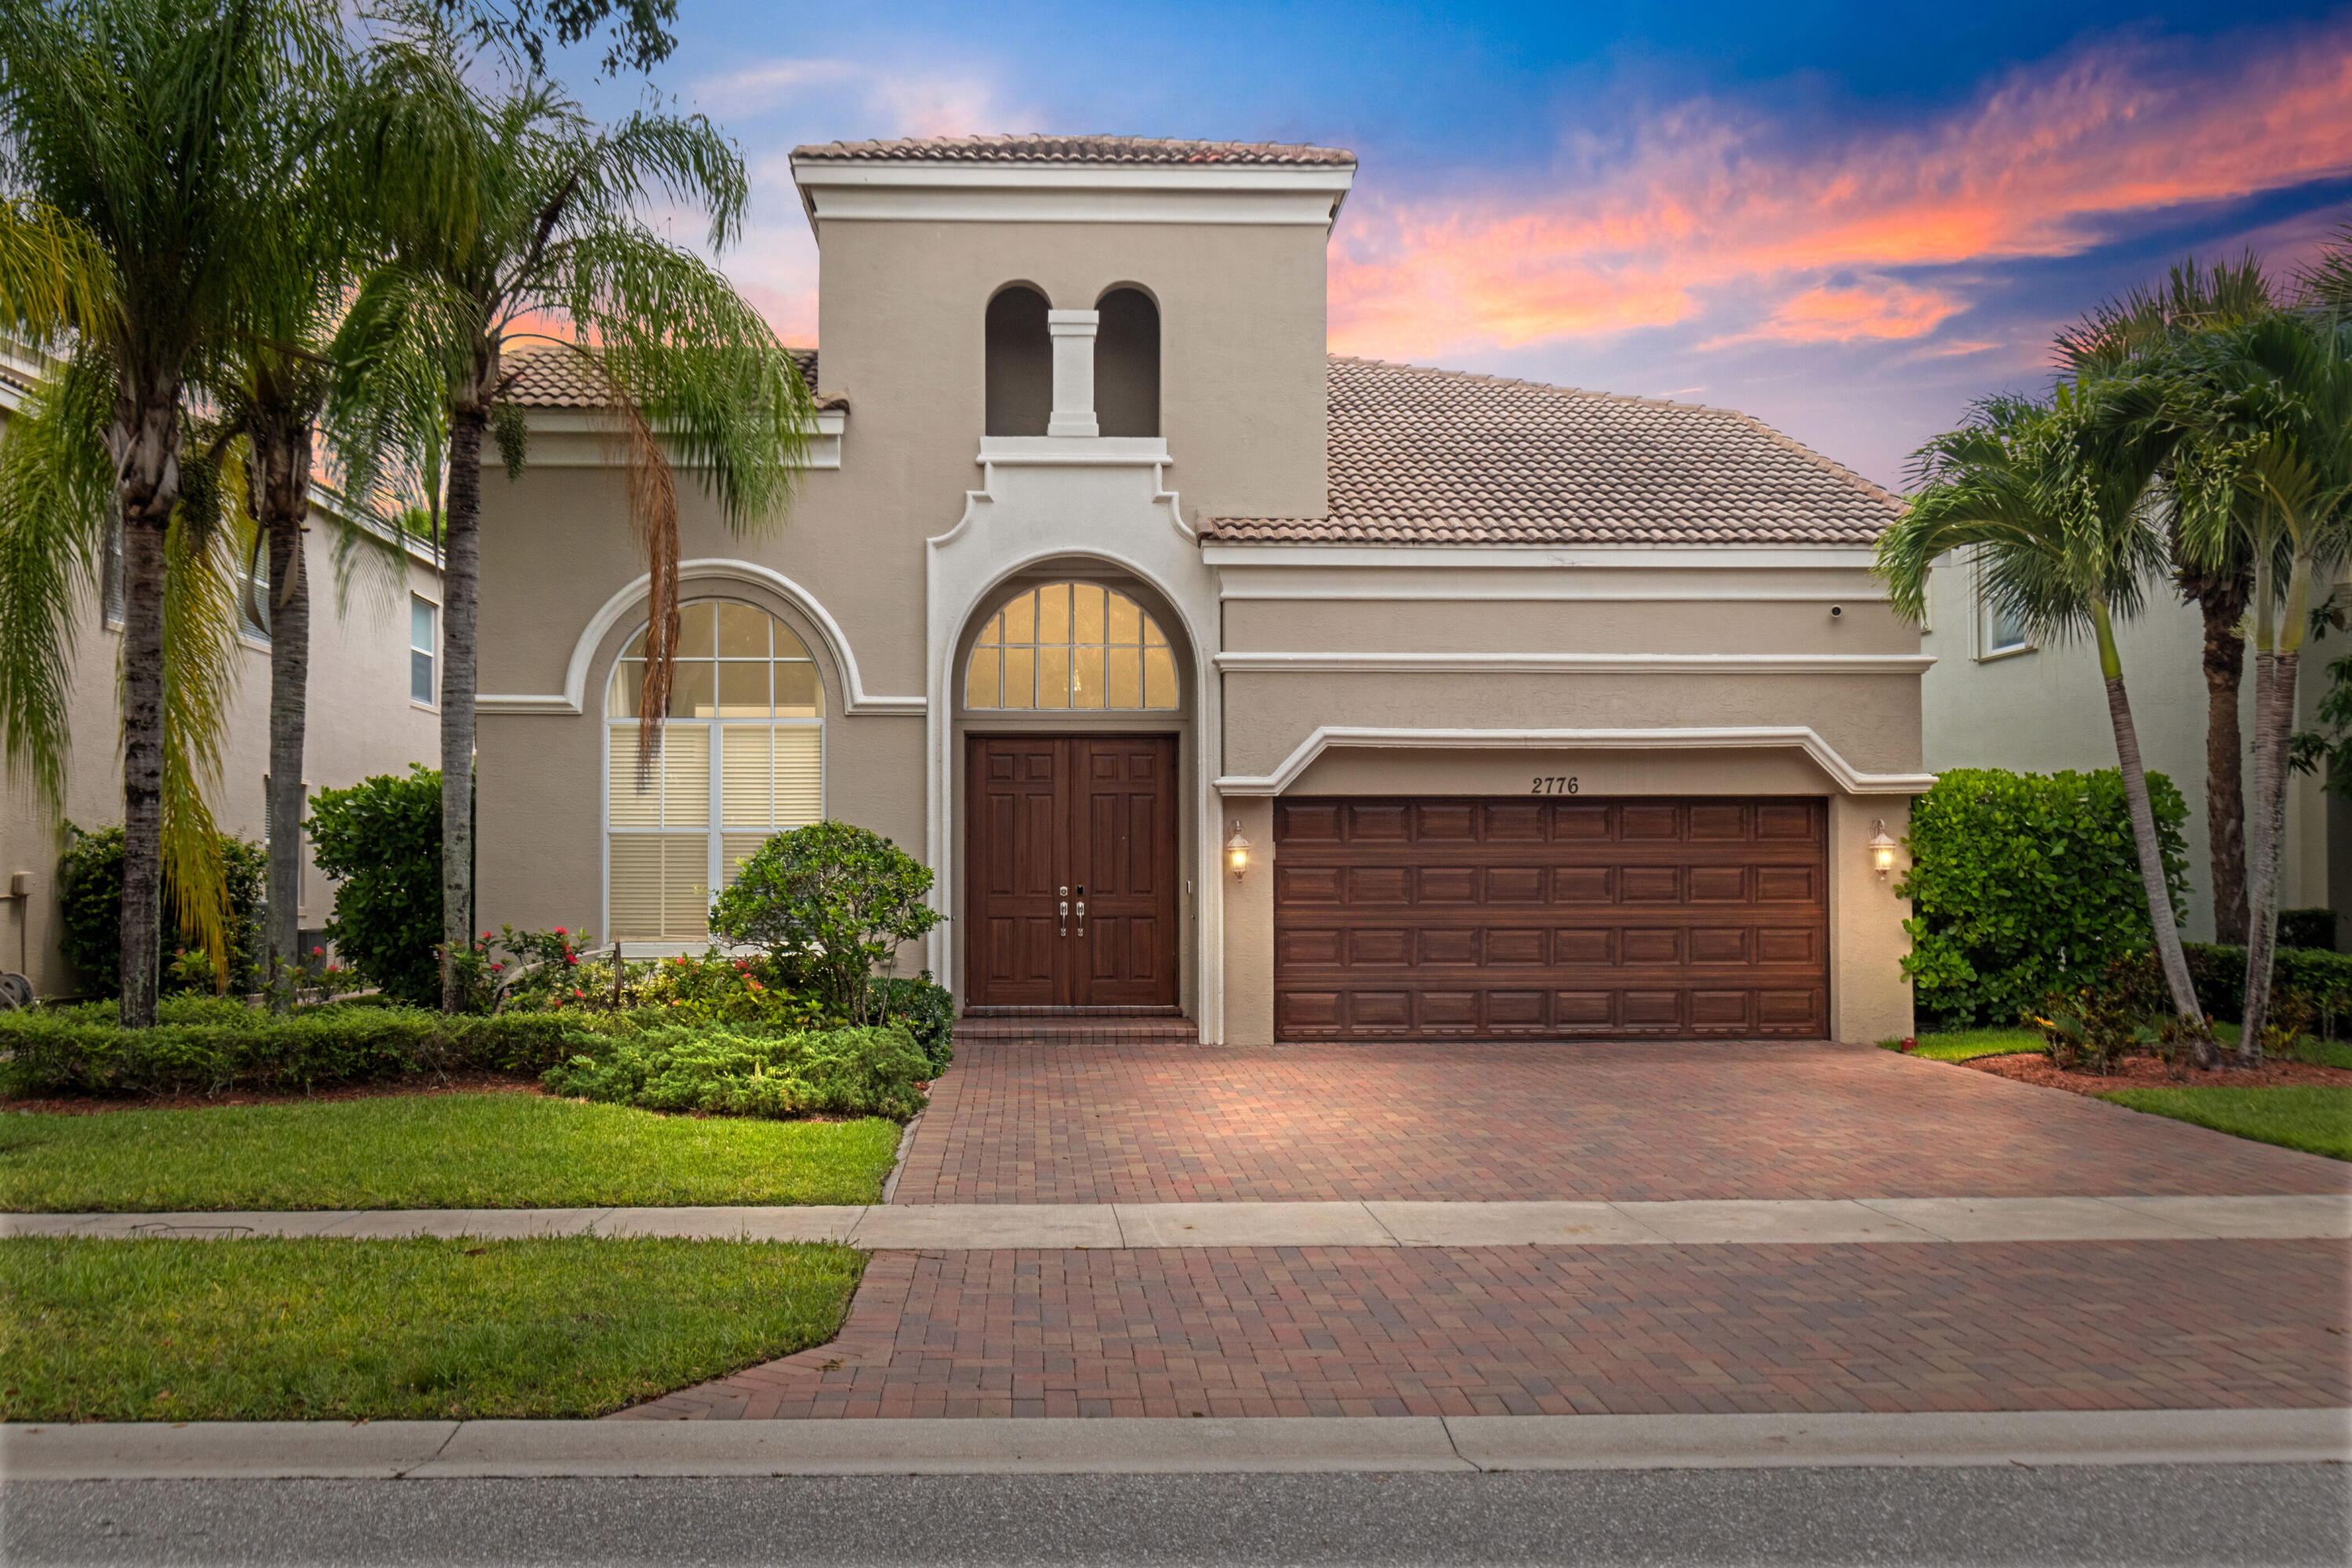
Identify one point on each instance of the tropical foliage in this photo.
(381, 842)
(835, 901)
(684, 370)
(2021, 882)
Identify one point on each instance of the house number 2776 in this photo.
(1554, 784)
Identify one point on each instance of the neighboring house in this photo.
(1302, 697)
(374, 647)
(1996, 698)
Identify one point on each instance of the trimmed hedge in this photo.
(2023, 879)
(2311, 977)
(646, 1059)
(677, 1067)
(224, 1046)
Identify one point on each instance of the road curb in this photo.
(480, 1449)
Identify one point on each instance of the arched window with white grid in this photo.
(742, 757)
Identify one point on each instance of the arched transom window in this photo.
(1071, 646)
(742, 757)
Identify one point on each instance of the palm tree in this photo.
(155, 131)
(2261, 418)
(2113, 340)
(689, 368)
(2057, 523)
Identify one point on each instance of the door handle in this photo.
(1082, 916)
(1065, 915)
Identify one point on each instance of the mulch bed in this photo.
(454, 1083)
(2150, 1072)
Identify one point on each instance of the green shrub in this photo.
(2318, 982)
(716, 1069)
(836, 899)
(215, 1044)
(90, 878)
(926, 1007)
(2024, 882)
(380, 841)
(719, 989)
(2307, 928)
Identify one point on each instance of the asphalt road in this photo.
(2157, 1514)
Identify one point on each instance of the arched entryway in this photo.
(1073, 720)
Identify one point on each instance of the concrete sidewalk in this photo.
(418, 1450)
(992, 1226)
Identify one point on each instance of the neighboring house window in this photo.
(423, 617)
(1071, 645)
(253, 595)
(2004, 630)
(113, 586)
(742, 758)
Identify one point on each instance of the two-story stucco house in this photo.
(1218, 679)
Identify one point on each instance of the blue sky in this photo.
(1846, 220)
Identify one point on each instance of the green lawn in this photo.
(314, 1330)
(2316, 1119)
(441, 1151)
(1961, 1045)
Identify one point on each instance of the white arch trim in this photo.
(1793, 736)
(573, 697)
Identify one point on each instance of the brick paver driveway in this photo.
(1032, 1122)
(1550, 1329)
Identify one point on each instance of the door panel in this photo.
(1512, 918)
(1017, 797)
(1089, 821)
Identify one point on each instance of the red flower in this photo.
(572, 958)
(485, 936)
(318, 953)
(560, 931)
(497, 966)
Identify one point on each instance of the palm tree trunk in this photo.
(2167, 930)
(461, 570)
(2273, 735)
(148, 453)
(2225, 745)
(282, 457)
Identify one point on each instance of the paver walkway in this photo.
(1990, 1320)
(1017, 1122)
(1569, 1331)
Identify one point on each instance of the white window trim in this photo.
(414, 599)
(715, 832)
(1982, 616)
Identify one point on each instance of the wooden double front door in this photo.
(1070, 871)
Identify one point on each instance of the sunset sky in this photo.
(1846, 220)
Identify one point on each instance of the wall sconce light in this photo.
(1882, 848)
(1237, 850)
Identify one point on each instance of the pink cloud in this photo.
(1717, 214)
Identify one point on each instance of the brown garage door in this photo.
(1529, 919)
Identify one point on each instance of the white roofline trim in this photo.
(1849, 779)
(573, 699)
(1372, 663)
(1421, 557)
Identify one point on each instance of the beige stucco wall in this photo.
(361, 723)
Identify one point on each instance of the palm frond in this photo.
(56, 494)
(204, 558)
(55, 276)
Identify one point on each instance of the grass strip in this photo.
(2314, 1118)
(314, 1330)
(440, 1151)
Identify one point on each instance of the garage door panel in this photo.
(1673, 918)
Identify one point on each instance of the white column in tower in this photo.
(1073, 333)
